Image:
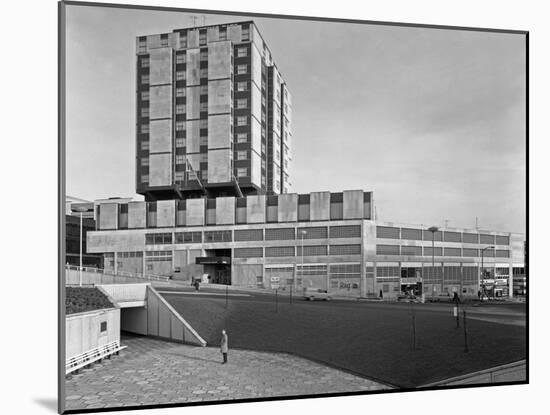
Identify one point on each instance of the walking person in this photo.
(224, 347)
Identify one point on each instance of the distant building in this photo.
(74, 207)
(213, 114)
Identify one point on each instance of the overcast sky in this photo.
(433, 121)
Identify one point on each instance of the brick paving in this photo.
(152, 371)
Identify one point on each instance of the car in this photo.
(312, 294)
(407, 297)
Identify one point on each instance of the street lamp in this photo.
(433, 230)
(302, 233)
(483, 268)
(81, 210)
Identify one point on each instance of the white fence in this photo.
(92, 276)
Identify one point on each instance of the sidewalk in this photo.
(152, 371)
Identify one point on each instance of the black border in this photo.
(61, 199)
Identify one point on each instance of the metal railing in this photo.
(149, 277)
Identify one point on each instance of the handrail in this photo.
(118, 273)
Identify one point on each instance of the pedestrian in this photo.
(381, 295)
(478, 294)
(197, 283)
(456, 298)
(224, 346)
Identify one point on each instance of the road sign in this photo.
(274, 286)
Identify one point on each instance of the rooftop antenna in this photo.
(477, 225)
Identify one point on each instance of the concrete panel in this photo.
(136, 215)
(192, 38)
(256, 66)
(193, 104)
(193, 137)
(225, 211)
(234, 33)
(256, 102)
(219, 131)
(255, 36)
(153, 41)
(160, 66)
(111, 241)
(353, 204)
(255, 209)
(256, 136)
(212, 35)
(219, 60)
(160, 136)
(176, 330)
(319, 206)
(194, 212)
(288, 207)
(219, 96)
(160, 169)
(193, 67)
(246, 275)
(164, 322)
(152, 315)
(160, 101)
(166, 213)
(83, 330)
(219, 166)
(108, 216)
(255, 169)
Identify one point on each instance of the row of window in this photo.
(439, 251)
(244, 235)
(287, 251)
(389, 232)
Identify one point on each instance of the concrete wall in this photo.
(160, 169)
(160, 101)
(192, 101)
(225, 210)
(166, 213)
(82, 330)
(160, 136)
(255, 209)
(193, 138)
(193, 65)
(108, 216)
(353, 204)
(319, 205)
(219, 96)
(194, 212)
(219, 131)
(160, 66)
(136, 215)
(288, 208)
(245, 275)
(219, 166)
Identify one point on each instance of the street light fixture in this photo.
(483, 269)
(81, 210)
(433, 230)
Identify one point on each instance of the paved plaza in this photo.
(152, 371)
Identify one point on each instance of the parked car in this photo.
(407, 297)
(312, 294)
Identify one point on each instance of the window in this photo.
(163, 42)
(180, 125)
(470, 238)
(180, 75)
(145, 145)
(142, 46)
(188, 237)
(249, 235)
(203, 73)
(349, 231)
(452, 251)
(144, 79)
(183, 39)
(180, 58)
(202, 38)
(242, 172)
(345, 249)
(180, 109)
(179, 176)
(248, 252)
(103, 326)
(145, 96)
(203, 90)
(180, 159)
(242, 52)
(242, 120)
(145, 112)
(312, 250)
(319, 232)
(204, 106)
(241, 155)
(180, 92)
(180, 142)
(245, 33)
(242, 138)
(158, 238)
(218, 236)
(278, 251)
(452, 236)
(279, 234)
(242, 86)
(223, 33)
(203, 124)
(387, 249)
(145, 62)
(411, 234)
(145, 161)
(242, 69)
(144, 128)
(203, 55)
(502, 240)
(242, 103)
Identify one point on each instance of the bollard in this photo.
(413, 323)
(457, 314)
(291, 294)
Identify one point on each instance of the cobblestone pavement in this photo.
(152, 371)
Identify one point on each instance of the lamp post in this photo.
(483, 268)
(81, 210)
(433, 230)
(302, 233)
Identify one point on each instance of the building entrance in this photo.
(217, 265)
